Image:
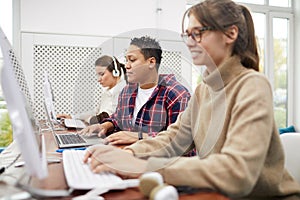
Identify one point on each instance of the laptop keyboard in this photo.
(71, 139)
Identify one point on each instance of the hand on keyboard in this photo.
(106, 158)
(95, 128)
(79, 175)
(122, 137)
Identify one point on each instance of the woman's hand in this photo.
(106, 158)
(65, 116)
(123, 137)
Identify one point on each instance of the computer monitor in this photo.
(25, 130)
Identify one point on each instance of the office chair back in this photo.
(291, 146)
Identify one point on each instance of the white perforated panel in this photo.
(72, 74)
(171, 64)
(19, 74)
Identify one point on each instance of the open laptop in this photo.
(49, 98)
(72, 139)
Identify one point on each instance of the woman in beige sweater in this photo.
(229, 118)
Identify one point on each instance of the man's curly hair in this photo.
(149, 48)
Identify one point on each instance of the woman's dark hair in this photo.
(149, 48)
(220, 15)
(108, 62)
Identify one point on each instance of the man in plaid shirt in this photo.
(149, 103)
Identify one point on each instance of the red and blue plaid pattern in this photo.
(168, 99)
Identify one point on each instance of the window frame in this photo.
(269, 54)
(278, 12)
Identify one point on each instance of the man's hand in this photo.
(106, 158)
(101, 129)
(95, 128)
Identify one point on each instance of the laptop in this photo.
(49, 98)
(72, 139)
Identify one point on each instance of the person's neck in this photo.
(149, 84)
(117, 80)
(213, 65)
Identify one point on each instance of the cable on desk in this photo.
(3, 169)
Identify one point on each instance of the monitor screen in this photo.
(24, 126)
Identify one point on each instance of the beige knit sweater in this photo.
(230, 121)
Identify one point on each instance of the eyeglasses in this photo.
(196, 33)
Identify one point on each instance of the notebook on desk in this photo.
(74, 123)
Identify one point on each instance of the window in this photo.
(261, 2)
(274, 44)
(273, 21)
(273, 27)
(280, 70)
(280, 3)
(260, 31)
(6, 18)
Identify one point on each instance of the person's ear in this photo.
(152, 62)
(232, 34)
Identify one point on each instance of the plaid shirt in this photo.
(168, 99)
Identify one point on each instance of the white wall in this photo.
(297, 67)
(83, 19)
(99, 17)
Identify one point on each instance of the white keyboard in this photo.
(79, 175)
